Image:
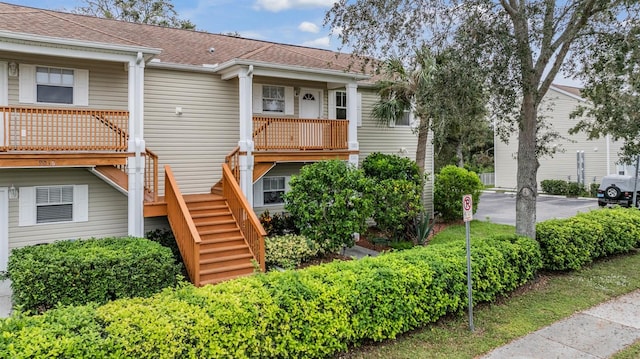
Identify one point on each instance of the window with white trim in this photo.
(53, 85)
(53, 204)
(269, 191)
(273, 99)
(341, 105)
(338, 106)
(405, 119)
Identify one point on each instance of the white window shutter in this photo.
(257, 194)
(4, 86)
(81, 87)
(27, 210)
(359, 114)
(27, 84)
(288, 100)
(332, 104)
(257, 98)
(80, 203)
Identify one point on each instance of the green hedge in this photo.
(93, 270)
(573, 242)
(310, 313)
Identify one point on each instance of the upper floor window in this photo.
(54, 85)
(341, 105)
(405, 119)
(273, 99)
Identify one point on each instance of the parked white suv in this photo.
(617, 189)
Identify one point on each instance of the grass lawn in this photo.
(549, 298)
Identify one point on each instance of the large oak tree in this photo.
(523, 44)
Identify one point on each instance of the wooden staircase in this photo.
(224, 254)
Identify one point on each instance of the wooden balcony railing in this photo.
(182, 225)
(244, 215)
(272, 133)
(51, 129)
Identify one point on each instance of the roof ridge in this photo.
(63, 18)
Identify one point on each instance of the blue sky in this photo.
(297, 22)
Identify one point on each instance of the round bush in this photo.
(289, 250)
(451, 184)
(327, 203)
(382, 167)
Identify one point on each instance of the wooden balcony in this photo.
(299, 139)
(47, 137)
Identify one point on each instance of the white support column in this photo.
(245, 80)
(135, 165)
(352, 116)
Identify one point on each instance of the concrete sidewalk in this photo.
(598, 332)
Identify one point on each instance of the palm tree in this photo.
(403, 90)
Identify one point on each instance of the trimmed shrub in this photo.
(555, 187)
(563, 188)
(450, 185)
(396, 204)
(93, 270)
(383, 167)
(573, 242)
(315, 312)
(288, 251)
(568, 243)
(593, 189)
(327, 203)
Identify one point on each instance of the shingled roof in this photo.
(178, 46)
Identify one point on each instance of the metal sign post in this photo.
(467, 216)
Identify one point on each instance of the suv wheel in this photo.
(612, 192)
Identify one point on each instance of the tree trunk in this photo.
(421, 150)
(527, 169)
(460, 155)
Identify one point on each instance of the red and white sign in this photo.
(467, 208)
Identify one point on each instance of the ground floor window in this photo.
(270, 190)
(53, 204)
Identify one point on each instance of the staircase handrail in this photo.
(184, 230)
(244, 215)
(232, 160)
(151, 174)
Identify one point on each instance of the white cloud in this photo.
(307, 26)
(323, 42)
(279, 5)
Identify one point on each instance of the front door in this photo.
(311, 132)
(310, 103)
(4, 228)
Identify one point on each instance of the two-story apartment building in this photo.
(111, 128)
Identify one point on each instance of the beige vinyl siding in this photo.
(557, 108)
(153, 223)
(108, 81)
(399, 140)
(195, 143)
(107, 207)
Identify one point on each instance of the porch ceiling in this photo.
(50, 160)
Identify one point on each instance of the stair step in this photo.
(224, 249)
(221, 242)
(219, 231)
(231, 268)
(227, 258)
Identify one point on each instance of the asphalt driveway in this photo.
(501, 207)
